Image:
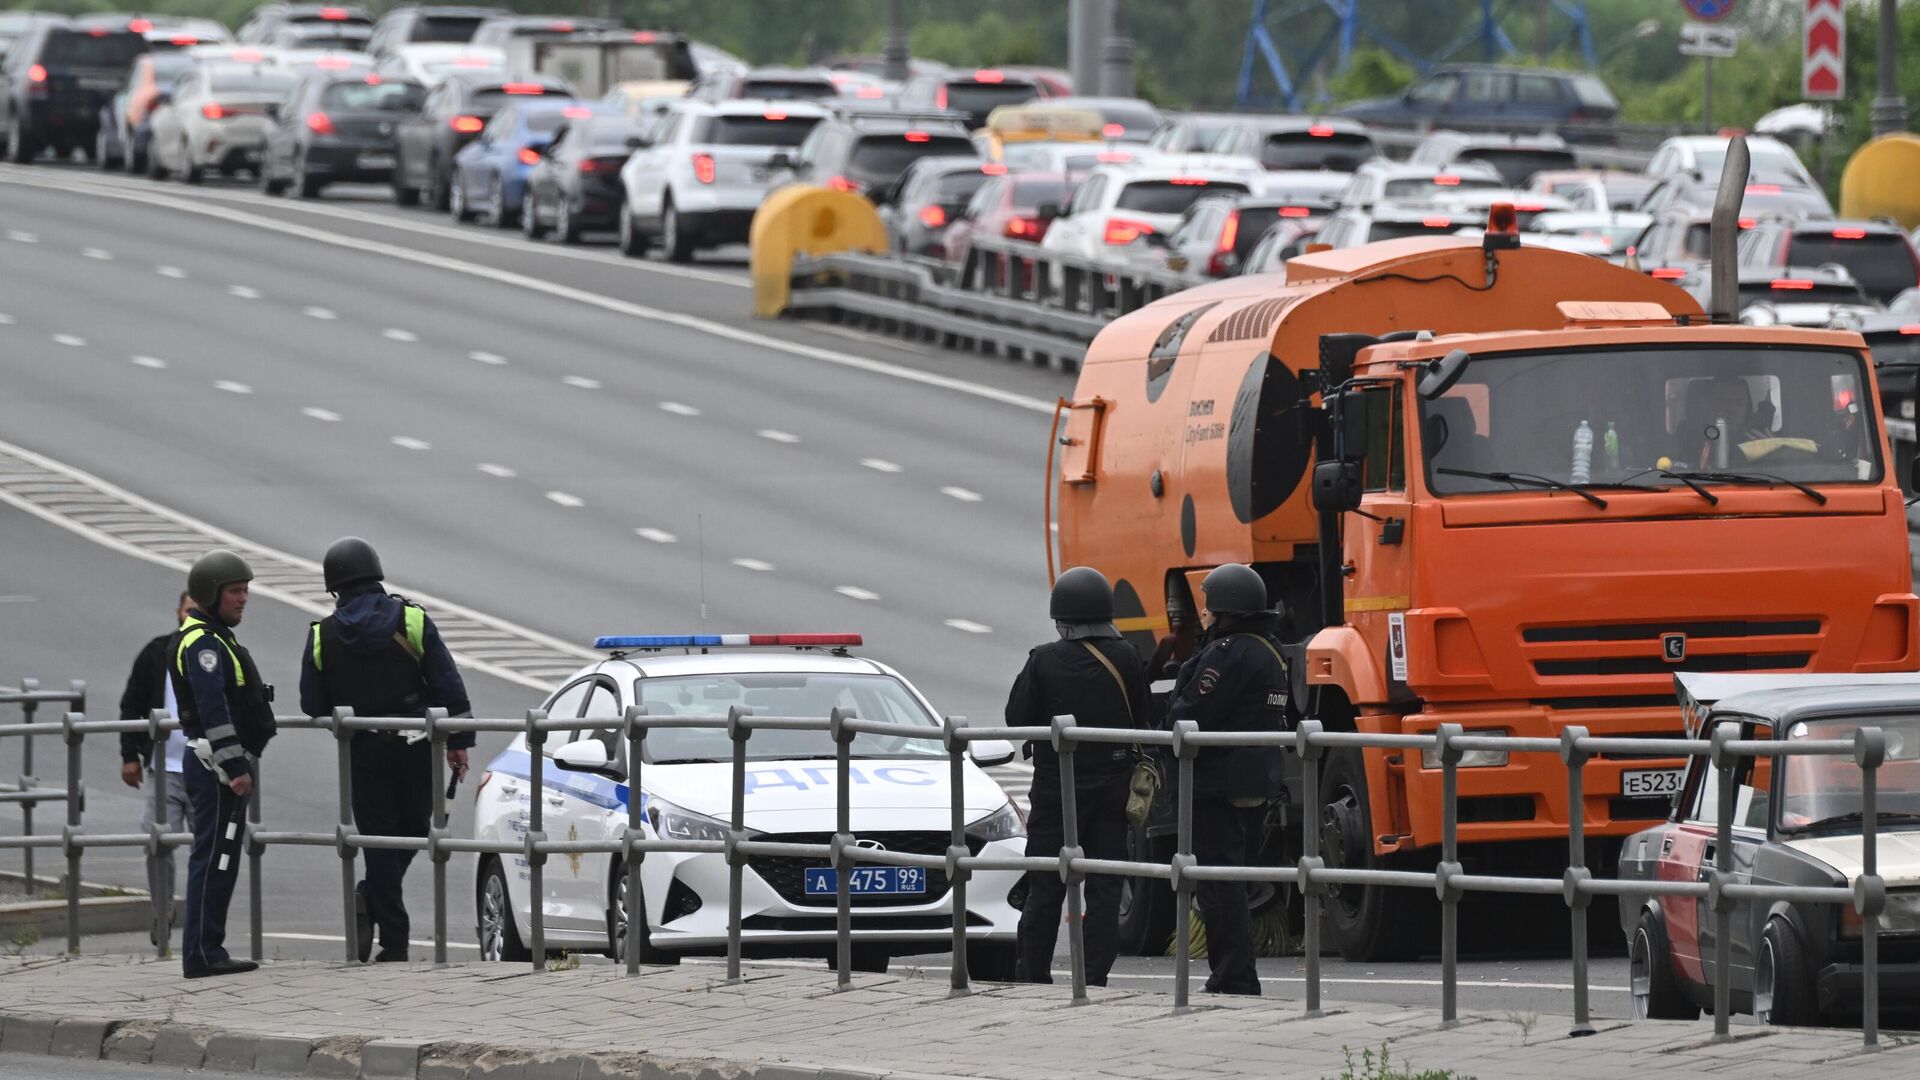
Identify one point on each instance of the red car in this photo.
(1016, 206)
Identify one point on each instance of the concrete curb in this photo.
(103, 910)
(359, 1058)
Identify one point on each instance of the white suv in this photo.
(1118, 206)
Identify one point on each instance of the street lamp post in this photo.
(896, 50)
(1889, 105)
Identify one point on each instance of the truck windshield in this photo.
(798, 693)
(1630, 415)
(1820, 792)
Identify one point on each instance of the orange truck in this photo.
(1489, 484)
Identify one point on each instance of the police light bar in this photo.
(696, 641)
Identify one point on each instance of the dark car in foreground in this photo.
(1797, 823)
(53, 83)
(333, 130)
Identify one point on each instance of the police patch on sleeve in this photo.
(208, 661)
(1209, 679)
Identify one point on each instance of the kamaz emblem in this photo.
(1673, 647)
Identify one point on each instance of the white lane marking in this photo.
(12, 175)
(969, 626)
(232, 387)
(170, 271)
(396, 334)
(581, 382)
(563, 499)
(760, 566)
(69, 340)
(319, 313)
(288, 935)
(408, 442)
(658, 536)
(101, 254)
(856, 592)
(960, 493)
(487, 358)
(327, 416)
(500, 471)
(244, 292)
(881, 465)
(5, 319)
(776, 435)
(152, 362)
(18, 236)
(678, 409)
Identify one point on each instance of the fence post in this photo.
(1720, 903)
(1578, 902)
(343, 743)
(27, 709)
(70, 833)
(256, 852)
(437, 743)
(956, 850)
(1310, 753)
(634, 911)
(737, 823)
(1869, 892)
(1443, 738)
(1182, 861)
(536, 834)
(157, 759)
(1063, 749)
(842, 838)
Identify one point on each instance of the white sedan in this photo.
(1119, 206)
(900, 802)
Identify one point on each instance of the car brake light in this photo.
(1446, 180)
(1112, 131)
(774, 115)
(1295, 212)
(320, 123)
(1748, 223)
(1025, 228)
(37, 74)
(703, 169)
(841, 183)
(529, 156)
(472, 62)
(1439, 222)
(1320, 131)
(215, 111)
(523, 88)
(333, 63)
(333, 14)
(1231, 232)
(1113, 157)
(1849, 234)
(183, 42)
(1188, 181)
(1791, 283)
(467, 125)
(1668, 273)
(932, 216)
(249, 56)
(918, 136)
(373, 79)
(576, 112)
(1529, 207)
(1910, 329)
(870, 92)
(993, 168)
(139, 26)
(560, 27)
(643, 37)
(1121, 231)
(988, 75)
(1763, 189)
(98, 31)
(940, 98)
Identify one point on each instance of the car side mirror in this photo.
(587, 756)
(987, 753)
(635, 142)
(1336, 486)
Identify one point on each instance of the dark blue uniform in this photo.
(1238, 683)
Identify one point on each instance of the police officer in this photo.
(380, 655)
(1235, 682)
(226, 709)
(1092, 675)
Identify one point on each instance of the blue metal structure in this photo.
(1350, 23)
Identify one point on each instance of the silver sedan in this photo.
(215, 117)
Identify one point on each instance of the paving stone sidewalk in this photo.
(471, 1021)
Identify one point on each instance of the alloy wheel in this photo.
(1640, 973)
(493, 915)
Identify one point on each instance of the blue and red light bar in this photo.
(697, 641)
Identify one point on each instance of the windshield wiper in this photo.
(1533, 480)
(1750, 477)
(1860, 815)
(1694, 485)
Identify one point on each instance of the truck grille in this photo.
(1624, 649)
(787, 874)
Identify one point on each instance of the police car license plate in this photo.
(1651, 781)
(867, 881)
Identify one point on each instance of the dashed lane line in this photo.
(243, 292)
(758, 566)
(5, 319)
(327, 416)
(152, 363)
(969, 626)
(70, 340)
(581, 382)
(25, 178)
(494, 359)
(319, 313)
(101, 254)
(855, 592)
(408, 442)
(19, 236)
(679, 408)
(394, 333)
(776, 435)
(170, 272)
(90, 507)
(232, 387)
(500, 471)
(561, 498)
(658, 536)
(881, 465)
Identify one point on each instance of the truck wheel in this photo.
(617, 924)
(992, 961)
(1370, 922)
(1146, 904)
(1656, 991)
(633, 243)
(493, 917)
(1782, 985)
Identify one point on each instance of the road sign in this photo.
(1709, 10)
(1823, 59)
(1699, 39)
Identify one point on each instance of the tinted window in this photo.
(1301, 150)
(1425, 187)
(1254, 222)
(784, 694)
(446, 28)
(1031, 193)
(1813, 292)
(250, 82)
(1486, 86)
(372, 97)
(788, 90)
(1171, 197)
(72, 49)
(545, 123)
(1536, 90)
(608, 135)
(983, 98)
(1515, 165)
(958, 187)
(880, 159)
(1882, 263)
(170, 65)
(756, 131)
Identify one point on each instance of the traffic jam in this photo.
(1366, 396)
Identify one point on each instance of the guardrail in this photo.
(1311, 874)
(26, 792)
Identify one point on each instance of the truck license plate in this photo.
(1651, 781)
(867, 880)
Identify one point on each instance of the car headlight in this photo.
(1003, 824)
(672, 823)
(1900, 916)
(1469, 759)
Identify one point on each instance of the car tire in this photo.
(457, 201)
(565, 228)
(992, 961)
(1371, 923)
(155, 170)
(189, 172)
(107, 162)
(633, 243)
(404, 194)
(617, 923)
(493, 917)
(1783, 992)
(20, 149)
(307, 186)
(675, 244)
(269, 184)
(497, 215)
(1650, 977)
(1146, 905)
(439, 187)
(530, 218)
(136, 163)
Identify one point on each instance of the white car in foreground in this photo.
(899, 802)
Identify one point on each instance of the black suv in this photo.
(865, 153)
(54, 81)
(455, 113)
(1875, 253)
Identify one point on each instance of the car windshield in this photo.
(955, 188)
(772, 129)
(250, 82)
(881, 698)
(878, 160)
(1823, 790)
(1516, 164)
(1341, 152)
(71, 48)
(452, 29)
(1172, 196)
(1883, 263)
(1633, 415)
(394, 97)
(982, 98)
(1422, 188)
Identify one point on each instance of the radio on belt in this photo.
(714, 641)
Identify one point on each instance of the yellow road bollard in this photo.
(802, 220)
(1879, 180)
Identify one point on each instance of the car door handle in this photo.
(556, 800)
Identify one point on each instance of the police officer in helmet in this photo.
(1088, 673)
(381, 656)
(226, 709)
(1235, 682)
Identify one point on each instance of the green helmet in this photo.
(212, 573)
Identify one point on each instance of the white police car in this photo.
(899, 799)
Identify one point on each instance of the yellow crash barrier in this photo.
(802, 220)
(1879, 180)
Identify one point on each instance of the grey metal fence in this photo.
(26, 792)
(1577, 885)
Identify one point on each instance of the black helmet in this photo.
(1081, 594)
(211, 575)
(350, 559)
(1235, 589)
